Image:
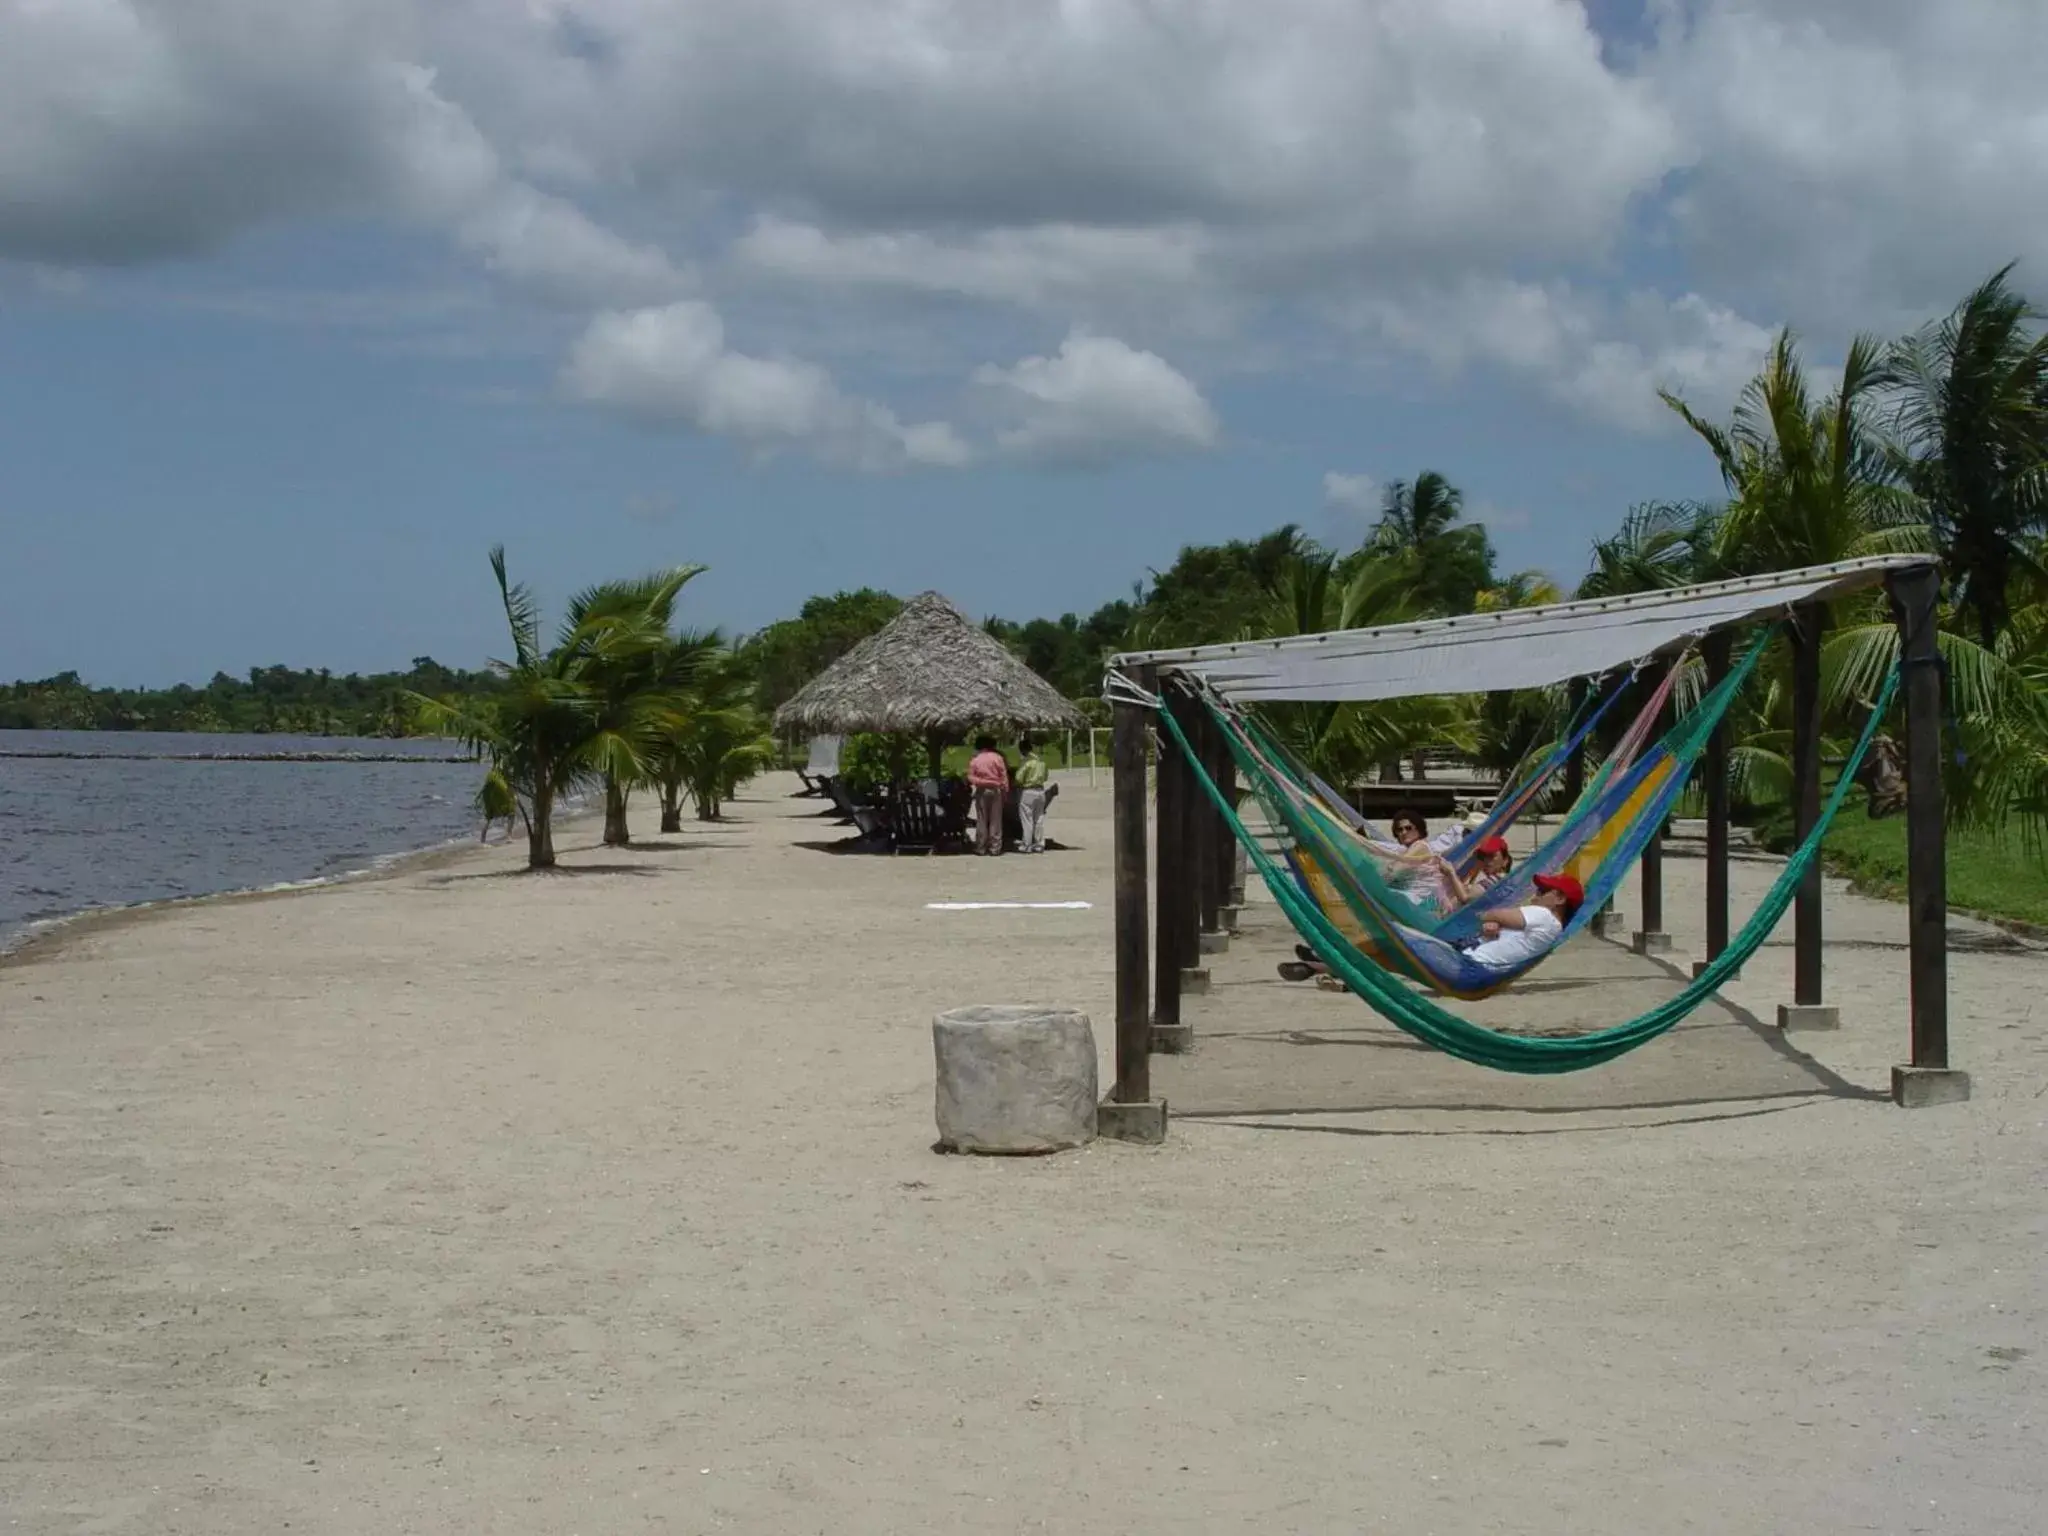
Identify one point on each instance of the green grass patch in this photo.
(1991, 872)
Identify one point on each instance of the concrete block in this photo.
(1924, 1087)
(1217, 943)
(1237, 896)
(1195, 982)
(1608, 921)
(1172, 1039)
(1228, 916)
(1014, 1079)
(1143, 1123)
(1793, 1016)
(1649, 942)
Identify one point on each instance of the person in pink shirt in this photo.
(988, 775)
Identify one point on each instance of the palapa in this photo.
(928, 672)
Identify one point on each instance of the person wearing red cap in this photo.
(1515, 935)
(1491, 863)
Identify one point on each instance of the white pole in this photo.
(1069, 762)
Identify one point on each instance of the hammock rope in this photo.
(1418, 1016)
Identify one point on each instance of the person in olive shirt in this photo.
(1031, 798)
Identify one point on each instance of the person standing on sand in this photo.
(989, 777)
(1031, 796)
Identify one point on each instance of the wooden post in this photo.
(1195, 810)
(1170, 877)
(1575, 765)
(1203, 847)
(1718, 649)
(1806, 1011)
(1225, 774)
(1127, 794)
(1916, 594)
(1651, 939)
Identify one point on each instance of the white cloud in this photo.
(1358, 494)
(1603, 357)
(671, 365)
(1472, 181)
(1098, 400)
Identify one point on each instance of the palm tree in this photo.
(1808, 483)
(546, 733)
(713, 746)
(635, 686)
(1420, 519)
(1342, 740)
(1660, 544)
(1972, 424)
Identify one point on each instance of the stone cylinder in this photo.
(1014, 1079)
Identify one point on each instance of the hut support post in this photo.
(1718, 649)
(1129, 1113)
(1806, 1010)
(1170, 902)
(1929, 1079)
(1651, 939)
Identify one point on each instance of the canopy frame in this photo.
(1390, 662)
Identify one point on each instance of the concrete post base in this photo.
(1143, 1123)
(1195, 982)
(1649, 942)
(1700, 965)
(1237, 895)
(1793, 1016)
(1606, 922)
(1172, 1039)
(1228, 917)
(1217, 943)
(1924, 1087)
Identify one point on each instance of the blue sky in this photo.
(297, 318)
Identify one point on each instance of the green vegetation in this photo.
(271, 699)
(1989, 870)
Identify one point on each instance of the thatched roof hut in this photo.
(929, 673)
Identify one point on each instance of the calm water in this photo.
(108, 832)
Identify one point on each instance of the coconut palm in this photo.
(1660, 544)
(1421, 519)
(1972, 423)
(548, 732)
(713, 746)
(636, 687)
(1808, 483)
(1342, 740)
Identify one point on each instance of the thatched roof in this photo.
(928, 670)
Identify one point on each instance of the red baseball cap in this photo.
(1573, 893)
(1491, 845)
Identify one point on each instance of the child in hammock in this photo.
(1491, 864)
(1512, 936)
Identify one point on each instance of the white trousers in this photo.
(1031, 811)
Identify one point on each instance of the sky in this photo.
(304, 307)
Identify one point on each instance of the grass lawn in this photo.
(1987, 872)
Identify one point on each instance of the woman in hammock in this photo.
(1491, 863)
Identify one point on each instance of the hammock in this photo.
(1436, 1026)
(1612, 821)
(1463, 850)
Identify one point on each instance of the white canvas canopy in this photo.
(1515, 648)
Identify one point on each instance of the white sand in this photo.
(604, 1203)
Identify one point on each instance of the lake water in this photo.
(109, 831)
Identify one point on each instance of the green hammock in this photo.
(1447, 1031)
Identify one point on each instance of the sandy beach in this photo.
(464, 1200)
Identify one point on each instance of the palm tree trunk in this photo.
(540, 828)
(615, 833)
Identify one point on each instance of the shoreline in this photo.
(49, 938)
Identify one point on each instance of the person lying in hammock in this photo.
(1513, 935)
(1492, 863)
